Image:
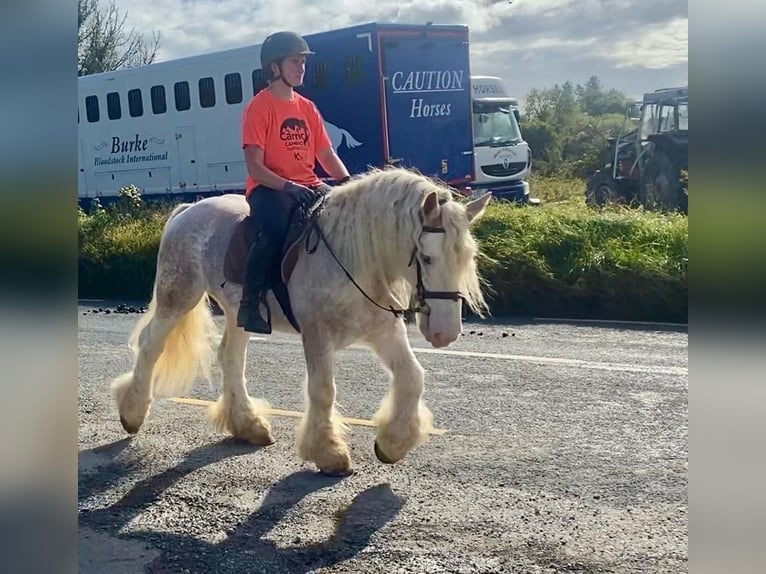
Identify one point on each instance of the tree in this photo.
(103, 44)
(594, 100)
(552, 117)
(567, 126)
(555, 104)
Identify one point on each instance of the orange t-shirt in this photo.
(290, 134)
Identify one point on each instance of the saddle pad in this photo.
(234, 263)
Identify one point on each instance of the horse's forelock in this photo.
(461, 250)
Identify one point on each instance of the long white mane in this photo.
(376, 217)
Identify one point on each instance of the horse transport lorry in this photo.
(389, 94)
(502, 158)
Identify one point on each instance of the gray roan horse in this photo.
(390, 237)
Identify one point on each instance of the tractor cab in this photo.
(665, 112)
(663, 149)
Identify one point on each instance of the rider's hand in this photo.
(302, 194)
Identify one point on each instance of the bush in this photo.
(117, 246)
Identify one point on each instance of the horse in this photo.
(388, 236)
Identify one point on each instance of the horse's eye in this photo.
(426, 260)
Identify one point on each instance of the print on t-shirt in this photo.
(295, 133)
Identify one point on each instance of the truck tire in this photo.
(661, 187)
(601, 189)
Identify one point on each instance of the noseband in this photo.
(422, 293)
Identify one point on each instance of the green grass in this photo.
(557, 189)
(118, 250)
(565, 259)
(559, 259)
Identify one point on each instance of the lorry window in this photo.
(258, 82)
(159, 104)
(233, 88)
(113, 108)
(206, 92)
(353, 70)
(494, 124)
(320, 75)
(683, 116)
(135, 103)
(183, 98)
(91, 109)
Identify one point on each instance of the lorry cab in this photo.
(501, 156)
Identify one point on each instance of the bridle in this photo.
(422, 294)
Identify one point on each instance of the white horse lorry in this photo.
(390, 94)
(502, 158)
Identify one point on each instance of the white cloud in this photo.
(656, 47)
(191, 27)
(661, 46)
(494, 48)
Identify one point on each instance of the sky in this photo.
(634, 46)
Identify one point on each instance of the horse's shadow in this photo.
(245, 545)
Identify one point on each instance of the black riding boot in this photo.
(260, 261)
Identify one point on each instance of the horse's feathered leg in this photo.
(403, 420)
(235, 411)
(321, 433)
(171, 345)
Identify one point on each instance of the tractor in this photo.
(648, 164)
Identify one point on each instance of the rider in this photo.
(282, 135)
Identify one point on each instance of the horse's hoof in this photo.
(130, 429)
(337, 473)
(381, 455)
(262, 441)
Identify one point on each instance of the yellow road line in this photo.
(293, 414)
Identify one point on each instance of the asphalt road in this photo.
(566, 451)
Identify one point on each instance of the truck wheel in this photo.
(601, 189)
(661, 187)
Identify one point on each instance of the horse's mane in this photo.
(376, 216)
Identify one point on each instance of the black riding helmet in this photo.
(280, 45)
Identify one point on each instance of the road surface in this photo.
(565, 451)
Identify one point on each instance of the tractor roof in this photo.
(666, 94)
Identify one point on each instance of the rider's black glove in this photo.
(303, 195)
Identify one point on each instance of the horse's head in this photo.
(446, 267)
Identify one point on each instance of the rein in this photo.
(422, 292)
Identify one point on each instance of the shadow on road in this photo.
(245, 545)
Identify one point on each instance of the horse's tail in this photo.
(350, 141)
(188, 350)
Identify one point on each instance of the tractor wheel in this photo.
(601, 189)
(661, 187)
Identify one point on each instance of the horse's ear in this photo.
(475, 209)
(431, 209)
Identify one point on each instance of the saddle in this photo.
(234, 264)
